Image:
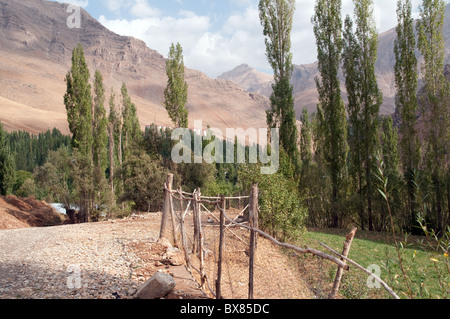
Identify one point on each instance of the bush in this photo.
(281, 210)
(144, 181)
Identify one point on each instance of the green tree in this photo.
(328, 32)
(99, 124)
(102, 194)
(54, 179)
(276, 17)
(143, 178)
(131, 131)
(365, 99)
(7, 166)
(436, 108)
(391, 159)
(176, 92)
(306, 141)
(113, 139)
(406, 79)
(78, 101)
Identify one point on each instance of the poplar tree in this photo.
(99, 124)
(406, 80)
(436, 109)
(78, 102)
(328, 32)
(276, 18)
(131, 131)
(176, 92)
(113, 120)
(306, 141)
(365, 98)
(100, 145)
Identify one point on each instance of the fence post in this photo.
(253, 212)
(195, 213)
(340, 272)
(221, 243)
(166, 207)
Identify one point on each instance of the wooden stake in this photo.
(340, 271)
(166, 208)
(252, 212)
(221, 242)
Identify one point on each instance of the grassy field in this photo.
(426, 268)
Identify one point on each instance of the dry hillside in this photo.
(35, 55)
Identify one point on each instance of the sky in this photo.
(218, 35)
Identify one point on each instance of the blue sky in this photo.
(216, 35)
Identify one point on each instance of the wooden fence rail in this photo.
(249, 223)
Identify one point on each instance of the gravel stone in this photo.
(85, 261)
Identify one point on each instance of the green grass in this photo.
(427, 270)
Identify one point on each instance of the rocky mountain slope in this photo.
(303, 78)
(35, 55)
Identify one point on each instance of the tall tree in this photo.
(113, 121)
(7, 165)
(406, 79)
(391, 159)
(131, 131)
(306, 140)
(100, 145)
(365, 98)
(99, 124)
(276, 18)
(78, 101)
(176, 92)
(436, 109)
(328, 32)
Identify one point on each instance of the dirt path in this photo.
(110, 260)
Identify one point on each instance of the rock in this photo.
(156, 287)
(165, 243)
(175, 257)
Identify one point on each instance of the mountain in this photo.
(35, 55)
(303, 77)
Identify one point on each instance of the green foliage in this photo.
(282, 212)
(54, 180)
(328, 32)
(27, 189)
(435, 102)
(131, 131)
(176, 92)
(365, 99)
(21, 177)
(7, 165)
(99, 124)
(143, 182)
(276, 18)
(78, 102)
(32, 150)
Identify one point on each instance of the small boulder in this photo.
(156, 287)
(175, 257)
(165, 243)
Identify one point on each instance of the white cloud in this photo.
(79, 3)
(215, 50)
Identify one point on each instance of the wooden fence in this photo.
(173, 227)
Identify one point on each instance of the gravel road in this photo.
(86, 261)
